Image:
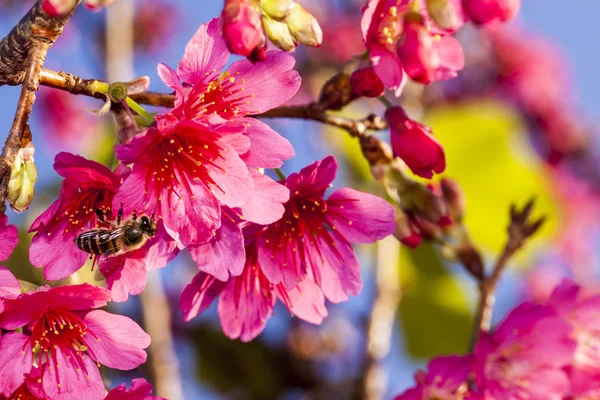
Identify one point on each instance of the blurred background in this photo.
(519, 121)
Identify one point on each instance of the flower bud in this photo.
(337, 92)
(447, 14)
(454, 197)
(365, 82)
(304, 27)
(242, 28)
(279, 34)
(23, 176)
(57, 8)
(483, 12)
(96, 5)
(414, 144)
(277, 9)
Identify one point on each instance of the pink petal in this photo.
(170, 78)
(66, 383)
(79, 297)
(20, 311)
(232, 178)
(272, 82)
(388, 67)
(9, 237)
(360, 217)
(314, 178)
(265, 203)
(55, 252)
(336, 269)
(306, 301)
(224, 254)
(15, 361)
(31, 379)
(268, 148)
(82, 170)
(45, 217)
(368, 10)
(280, 264)
(114, 340)
(244, 312)
(124, 276)
(199, 295)
(141, 144)
(140, 390)
(9, 285)
(240, 143)
(205, 52)
(451, 58)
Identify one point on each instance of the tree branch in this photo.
(519, 230)
(36, 26)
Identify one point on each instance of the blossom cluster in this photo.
(540, 351)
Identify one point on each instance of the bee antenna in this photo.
(154, 211)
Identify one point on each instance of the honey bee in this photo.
(121, 238)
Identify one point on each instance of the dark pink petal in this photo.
(31, 379)
(79, 297)
(140, 390)
(15, 361)
(224, 255)
(66, 383)
(55, 252)
(82, 170)
(268, 148)
(20, 311)
(170, 78)
(285, 264)
(9, 285)
(232, 178)
(366, 21)
(140, 145)
(360, 217)
(45, 217)
(268, 84)
(199, 295)
(389, 68)
(114, 340)
(9, 237)
(244, 312)
(124, 276)
(306, 301)
(265, 203)
(205, 54)
(314, 178)
(336, 269)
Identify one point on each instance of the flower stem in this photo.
(279, 173)
(386, 102)
(140, 110)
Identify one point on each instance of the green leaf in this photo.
(434, 312)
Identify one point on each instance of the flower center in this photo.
(80, 209)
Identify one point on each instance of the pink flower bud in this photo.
(242, 28)
(428, 57)
(447, 14)
(483, 12)
(96, 5)
(56, 8)
(414, 144)
(365, 82)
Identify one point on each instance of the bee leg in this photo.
(120, 215)
(101, 217)
(134, 215)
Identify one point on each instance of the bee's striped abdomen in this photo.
(98, 242)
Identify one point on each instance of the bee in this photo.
(129, 236)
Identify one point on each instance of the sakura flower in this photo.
(428, 57)
(87, 186)
(9, 237)
(525, 356)
(126, 273)
(244, 89)
(445, 379)
(140, 389)
(580, 310)
(483, 12)
(246, 302)
(414, 144)
(67, 336)
(314, 235)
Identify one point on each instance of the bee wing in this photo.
(107, 237)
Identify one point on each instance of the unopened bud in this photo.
(447, 14)
(277, 9)
(337, 92)
(23, 176)
(304, 27)
(454, 197)
(96, 5)
(365, 82)
(57, 8)
(242, 27)
(471, 259)
(279, 34)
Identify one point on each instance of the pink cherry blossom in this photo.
(196, 159)
(9, 237)
(315, 234)
(246, 302)
(483, 12)
(445, 379)
(414, 144)
(140, 389)
(72, 337)
(87, 186)
(243, 30)
(126, 273)
(524, 357)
